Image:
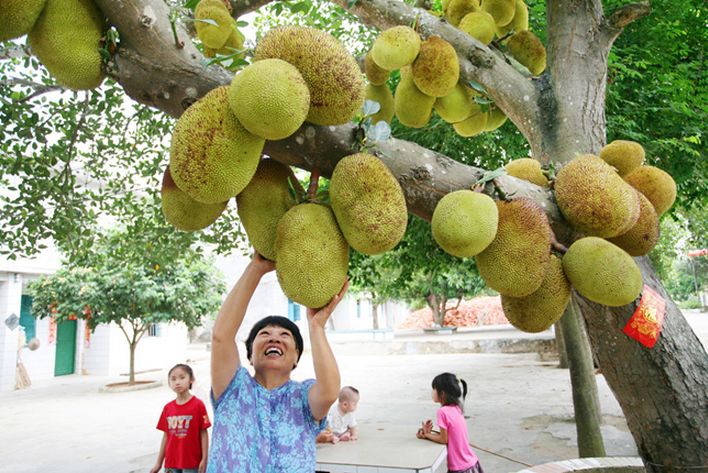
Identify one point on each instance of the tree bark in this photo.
(585, 398)
(662, 390)
(560, 346)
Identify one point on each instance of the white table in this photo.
(383, 448)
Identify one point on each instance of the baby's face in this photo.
(350, 406)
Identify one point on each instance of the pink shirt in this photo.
(459, 453)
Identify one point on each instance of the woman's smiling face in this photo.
(274, 347)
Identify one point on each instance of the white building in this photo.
(69, 348)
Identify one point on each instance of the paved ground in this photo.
(520, 411)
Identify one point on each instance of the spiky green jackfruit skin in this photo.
(501, 10)
(262, 203)
(543, 307)
(374, 74)
(206, 13)
(311, 255)
(458, 9)
(516, 261)
(495, 119)
(625, 156)
(436, 70)
(455, 106)
(520, 21)
(602, 272)
(381, 94)
(644, 235)
(395, 48)
(333, 76)
(368, 203)
(472, 125)
(212, 156)
(18, 17)
(66, 38)
(528, 50)
(527, 169)
(464, 223)
(183, 212)
(270, 99)
(413, 108)
(480, 25)
(657, 185)
(594, 198)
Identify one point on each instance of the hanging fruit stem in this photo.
(314, 182)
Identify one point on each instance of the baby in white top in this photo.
(341, 423)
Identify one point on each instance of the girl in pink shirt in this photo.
(452, 425)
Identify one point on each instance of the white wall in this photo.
(10, 299)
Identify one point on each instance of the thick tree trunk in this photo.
(131, 376)
(375, 314)
(663, 390)
(582, 376)
(560, 346)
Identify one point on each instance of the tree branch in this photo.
(620, 18)
(14, 51)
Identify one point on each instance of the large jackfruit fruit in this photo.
(208, 12)
(183, 212)
(527, 169)
(657, 185)
(625, 156)
(515, 263)
(502, 10)
(213, 157)
(368, 203)
(66, 38)
(270, 99)
(311, 255)
(383, 96)
(458, 9)
(455, 106)
(602, 272)
(543, 307)
(18, 17)
(643, 236)
(495, 118)
(332, 75)
(472, 125)
(413, 108)
(528, 50)
(436, 69)
(520, 21)
(594, 199)
(375, 74)
(464, 223)
(479, 25)
(395, 48)
(262, 203)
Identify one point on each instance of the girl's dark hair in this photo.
(447, 386)
(277, 321)
(186, 368)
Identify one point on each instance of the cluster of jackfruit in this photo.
(298, 74)
(613, 199)
(64, 34)
(429, 81)
(506, 20)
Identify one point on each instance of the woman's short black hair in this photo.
(278, 321)
(447, 386)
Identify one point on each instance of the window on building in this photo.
(293, 311)
(154, 330)
(27, 320)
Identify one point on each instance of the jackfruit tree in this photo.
(559, 110)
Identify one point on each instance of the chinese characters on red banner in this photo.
(645, 324)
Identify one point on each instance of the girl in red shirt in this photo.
(452, 425)
(184, 422)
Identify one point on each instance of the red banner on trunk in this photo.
(645, 324)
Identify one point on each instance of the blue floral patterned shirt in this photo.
(260, 431)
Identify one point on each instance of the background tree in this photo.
(559, 114)
(132, 283)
